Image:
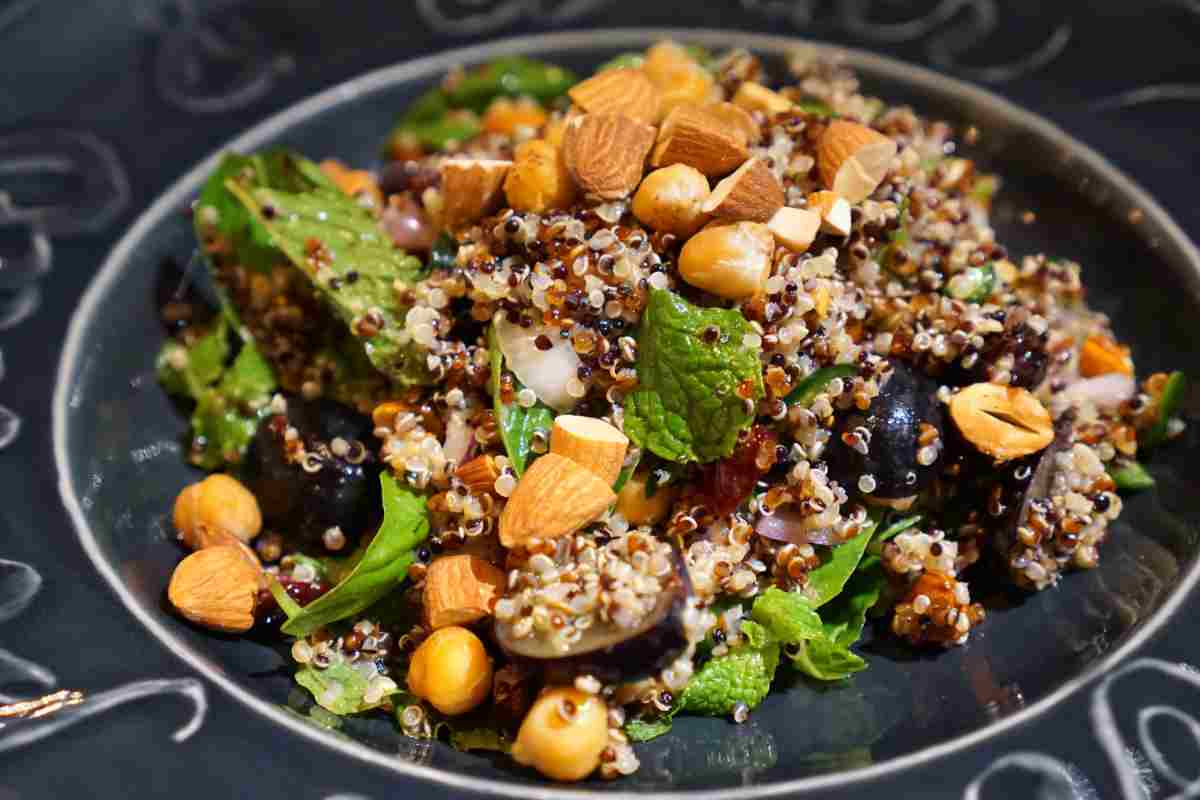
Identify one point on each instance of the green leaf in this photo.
(517, 423)
(842, 620)
(1130, 476)
(985, 188)
(826, 660)
(643, 730)
(1168, 406)
(227, 415)
(892, 531)
(348, 687)
(808, 388)
(630, 60)
(188, 371)
(285, 601)
(511, 76)
(687, 406)
(626, 473)
(827, 581)
(382, 568)
(350, 261)
(480, 739)
(972, 285)
(789, 617)
(440, 134)
(815, 107)
(743, 675)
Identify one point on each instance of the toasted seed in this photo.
(1004, 422)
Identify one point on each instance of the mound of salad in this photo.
(608, 400)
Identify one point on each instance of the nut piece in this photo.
(555, 497)
(539, 180)
(756, 97)
(217, 510)
(216, 587)
(834, 211)
(471, 188)
(591, 443)
(737, 119)
(638, 508)
(795, 228)
(619, 91)
(1004, 422)
(605, 153)
(506, 115)
(751, 193)
(479, 474)
(731, 261)
(853, 159)
(460, 590)
(452, 670)
(563, 734)
(678, 77)
(1100, 355)
(691, 136)
(670, 198)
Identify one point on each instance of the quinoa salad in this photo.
(607, 399)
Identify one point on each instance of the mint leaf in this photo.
(692, 363)
(643, 730)
(517, 423)
(826, 660)
(1130, 476)
(788, 616)
(743, 675)
(350, 261)
(227, 414)
(339, 688)
(382, 568)
(188, 371)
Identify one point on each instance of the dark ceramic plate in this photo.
(117, 437)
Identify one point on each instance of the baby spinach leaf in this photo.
(339, 688)
(517, 423)
(693, 369)
(1168, 406)
(383, 566)
(808, 388)
(842, 619)
(350, 261)
(826, 581)
(1130, 476)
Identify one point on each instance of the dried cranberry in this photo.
(724, 484)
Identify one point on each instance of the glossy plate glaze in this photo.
(116, 440)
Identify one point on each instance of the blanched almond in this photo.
(471, 188)
(606, 153)
(619, 91)
(1005, 422)
(834, 211)
(590, 442)
(735, 118)
(460, 589)
(216, 587)
(730, 261)
(555, 497)
(853, 159)
(539, 180)
(669, 200)
(691, 136)
(795, 228)
(756, 97)
(751, 193)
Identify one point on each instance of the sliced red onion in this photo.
(546, 372)
(459, 438)
(1104, 391)
(788, 526)
(407, 224)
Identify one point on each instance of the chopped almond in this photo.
(555, 497)
(795, 228)
(606, 153)
(751, 193)
(460, 590)
(471, 188)
(737, 119)
(539, 180)
(853, 159)
(619, 91)
(834, 211)
(756, 97)
(591, 442)
(691, 136)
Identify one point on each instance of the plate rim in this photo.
(184, 188)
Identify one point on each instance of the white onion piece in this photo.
(546, 372)
(1104, 391)
(459, 436)
(788, 526)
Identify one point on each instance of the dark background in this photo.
(161, 84)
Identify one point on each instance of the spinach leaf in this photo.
(843, 618)
(809, 387)
(517, 423)
(693, 369)
(350, 261)
(1168, 406)
(383, 566)
(827, 580)
(1130, 476)
(339, 688)
(826, 660)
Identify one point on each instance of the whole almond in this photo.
(689, 135)
(853, 159)
(471, 188)
(751, 193)
(618, 91)
(216, 587)
(735, 118)
(555, 497)
(605, 153)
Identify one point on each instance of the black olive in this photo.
(893, 420)
(302, 505)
